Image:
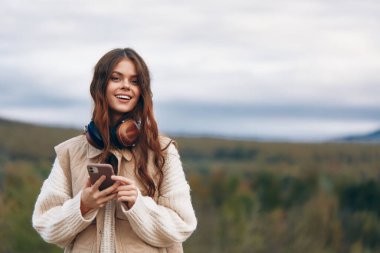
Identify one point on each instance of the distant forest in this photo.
(248, 196)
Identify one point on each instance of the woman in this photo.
(148, 208)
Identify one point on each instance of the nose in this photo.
(125, 84)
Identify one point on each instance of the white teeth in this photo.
(123, 97)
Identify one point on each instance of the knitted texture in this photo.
(57, 216)
(108, 240)
(162, 223)
(172, 218)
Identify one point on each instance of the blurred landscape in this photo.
(275, 106)
(249, 196)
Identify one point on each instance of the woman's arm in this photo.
(57, 216)
(170, 220)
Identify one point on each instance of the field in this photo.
(248, 196)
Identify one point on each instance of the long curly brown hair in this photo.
(149, 137)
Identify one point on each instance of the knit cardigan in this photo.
(153, 224)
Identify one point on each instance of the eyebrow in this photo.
(116, 72)
(121, 74)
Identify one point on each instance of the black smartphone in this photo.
(96, 170)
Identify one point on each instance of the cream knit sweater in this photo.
(152, 225)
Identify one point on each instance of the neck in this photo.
(115, 119)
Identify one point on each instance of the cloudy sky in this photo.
(297, 69)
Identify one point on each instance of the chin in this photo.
(125, 110)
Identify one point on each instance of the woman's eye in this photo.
(115, 78)
(134, 81)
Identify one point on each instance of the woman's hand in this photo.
(126, 191)
(92, 198)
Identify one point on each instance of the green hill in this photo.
(248, 196)
(28, 141)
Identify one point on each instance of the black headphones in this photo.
(123, 135)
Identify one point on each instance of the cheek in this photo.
(109, 89)
(137, 93)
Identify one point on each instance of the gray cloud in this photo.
(272, 55)
(21, 90)
(291, 122)
(203, 110)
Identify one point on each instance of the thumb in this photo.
(88, 183)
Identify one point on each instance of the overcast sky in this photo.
(297, 69)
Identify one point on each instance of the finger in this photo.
(110, 189)
(126, 188)
(126, 193)
(123, 180)
(88, 183)
(126, 199)
(107, 198)
(99, 182)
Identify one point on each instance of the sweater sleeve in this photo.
(57, 216)
(172, 218)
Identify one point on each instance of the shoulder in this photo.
(74, 149)
(169, 147)
(73, 143)
(167, 143)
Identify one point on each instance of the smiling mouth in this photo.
(124, 97)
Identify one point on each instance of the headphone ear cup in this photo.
(127, 133)
(93, 136)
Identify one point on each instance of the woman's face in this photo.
(123, 91)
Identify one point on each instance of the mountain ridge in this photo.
(373, 136)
